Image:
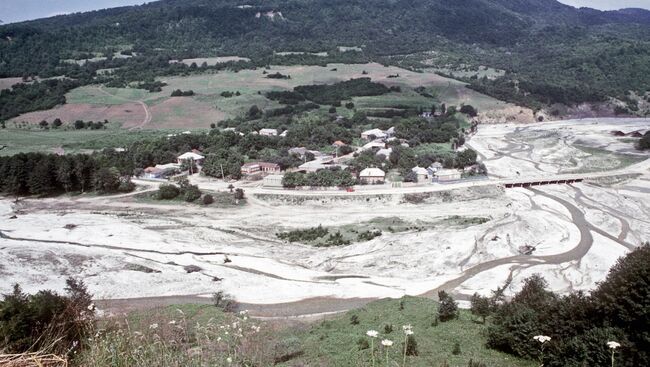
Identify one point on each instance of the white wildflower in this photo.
(173, 322)
(229, 360)
(542, 338)
(153, 326)
(387, 343)
(613, 345)
(372, 333)
(91, 307)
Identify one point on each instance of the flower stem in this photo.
(406, 342)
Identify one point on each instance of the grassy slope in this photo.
(72, 141)
(335, 341)
(208, 88)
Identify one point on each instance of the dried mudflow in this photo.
(138, 254)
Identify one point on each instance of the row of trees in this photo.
(46, 174)
(322, 178)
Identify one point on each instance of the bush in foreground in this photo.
(46, 321)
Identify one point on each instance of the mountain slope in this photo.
(531, 39)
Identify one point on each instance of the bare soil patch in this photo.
(7, 83)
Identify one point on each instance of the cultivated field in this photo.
(141, 109)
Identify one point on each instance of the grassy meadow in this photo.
(252, 84)
(196, 335)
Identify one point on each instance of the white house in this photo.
(268, 132)
(374, 144)
(373, 134)
(446, 175)
(421, 173)
(372, 175)
(190, 156)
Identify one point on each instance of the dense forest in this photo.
(550, 52)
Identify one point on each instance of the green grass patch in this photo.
(221, 199)
(601, 160)
(360, 232)
(72, 141)
(337, 342)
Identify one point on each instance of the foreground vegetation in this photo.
(608, 327)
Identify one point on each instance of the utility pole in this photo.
(222, 175)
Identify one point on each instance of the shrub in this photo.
(167, 192)
(192, 269)
(207, 199)
(224, 301)
(388, 328)
(448, 309)
(46, 319)
(304, 235)
(456, 351)
(368, 235)
(191, 193)
(480, 306)
(354, 319)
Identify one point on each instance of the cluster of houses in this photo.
(164, 171)
(313, 161)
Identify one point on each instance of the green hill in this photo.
(551, 52)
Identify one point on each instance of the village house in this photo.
(321, 162)
(268, 132)
(338, 144)
(374, 144)
(373, 134)
(433, 168)
(264, 167)
(448, 175)
(153, 173)
(386, 152)
(421, 173)
(191, 156)
(372, 175)
(161, 171)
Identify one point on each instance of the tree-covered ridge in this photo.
(551, 52)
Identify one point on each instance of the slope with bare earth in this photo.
(159, 110)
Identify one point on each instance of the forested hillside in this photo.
(550, 52)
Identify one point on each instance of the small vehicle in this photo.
(350, 189)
